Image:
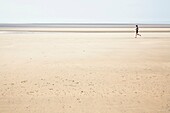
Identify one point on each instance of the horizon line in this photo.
(84, 23)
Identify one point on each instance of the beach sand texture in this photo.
(84, 73)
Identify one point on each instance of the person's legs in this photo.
(138, 34)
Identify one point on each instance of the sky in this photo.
(85, 11)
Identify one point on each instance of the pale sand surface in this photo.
(84, 73)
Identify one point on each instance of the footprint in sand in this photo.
(24, 81)
(78, 99)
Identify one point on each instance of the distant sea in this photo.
(84, 25)
(79, 28)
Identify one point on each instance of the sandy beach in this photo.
(84, 72)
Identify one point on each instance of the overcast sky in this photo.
(85, 11)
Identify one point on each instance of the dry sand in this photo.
(84, 73)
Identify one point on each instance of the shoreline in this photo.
(82, 25)
(82, 30)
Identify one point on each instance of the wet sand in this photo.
(84, 73)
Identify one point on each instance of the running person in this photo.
(137, 30)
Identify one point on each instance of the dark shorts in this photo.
(136, 31)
